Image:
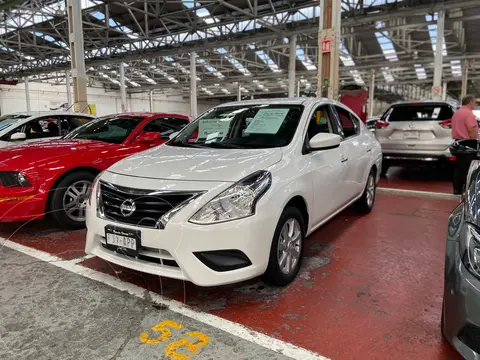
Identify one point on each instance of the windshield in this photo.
(111, 129)
(421, 112)
(8, 120)
(249, 126)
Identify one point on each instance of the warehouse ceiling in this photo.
(239, 43)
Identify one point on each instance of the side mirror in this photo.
(324, 141)
(149, 137)
(172, 135)
(19, 136)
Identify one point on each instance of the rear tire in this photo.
(69, 198)
(286, 252)
(364, 205)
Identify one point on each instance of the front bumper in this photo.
(21, 207)
(186, 251)
(461, 305)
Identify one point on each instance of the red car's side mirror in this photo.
(149, 137)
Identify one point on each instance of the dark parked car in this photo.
(461, 302)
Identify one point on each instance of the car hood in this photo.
(198, 164)
(45, 151)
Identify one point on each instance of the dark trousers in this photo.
(462, 164)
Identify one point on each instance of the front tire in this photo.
(364, 205)
(286, 252)
(69, 199)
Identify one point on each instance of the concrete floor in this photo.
(50, 313)
(370, 288)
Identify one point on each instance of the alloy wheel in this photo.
(289, 246)
(75, 200)
(370, 190)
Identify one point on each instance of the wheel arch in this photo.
(299, 203)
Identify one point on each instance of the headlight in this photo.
(94, 189)
(237, 202)
(470, 249)
(13, 179)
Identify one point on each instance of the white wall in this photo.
(43, 96)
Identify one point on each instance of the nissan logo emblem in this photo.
(128, 208)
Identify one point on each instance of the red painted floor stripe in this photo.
(370, 286)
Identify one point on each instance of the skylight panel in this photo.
(432, 31)
(305, 60)
(357, 77)
(234, 62)
(345, 56)
(51, 39)
(109, 78)
(421, 73)
(387, 75)
(262, 55)
(456, 67)
(206, 91)
(385, 43)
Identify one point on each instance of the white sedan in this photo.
(235, 193)
(38, 125)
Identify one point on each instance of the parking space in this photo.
(419, 178)
(360, 294)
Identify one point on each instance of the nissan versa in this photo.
(234, 194)
(461, 301)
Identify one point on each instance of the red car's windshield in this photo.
(111, 129)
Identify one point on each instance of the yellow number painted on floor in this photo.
(162, 327)
(191, 347)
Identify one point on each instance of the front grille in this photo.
(157, 256)
(470, 336)
(148, 205)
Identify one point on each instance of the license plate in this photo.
(123, 241)
(411, 135)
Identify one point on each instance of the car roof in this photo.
(49, 113)
(282, 101)
(146, 114)
(424, 102)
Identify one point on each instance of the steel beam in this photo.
(292, 65)
(75, 30)
(193, 84)
(464, 80)
(437, 75)
(69, 88)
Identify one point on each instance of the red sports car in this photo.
(54, 177)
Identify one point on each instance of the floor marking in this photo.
(437, 195)
(228, 326)
(83, 258)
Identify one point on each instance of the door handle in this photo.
(369, 150)
(344, 159)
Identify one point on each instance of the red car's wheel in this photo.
(69, 199)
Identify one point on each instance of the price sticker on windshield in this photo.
(213, 126)
(267, 121)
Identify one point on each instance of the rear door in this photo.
(422, 126)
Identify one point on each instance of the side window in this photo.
(320, 122)
(347, 122)
(177, 123)
(42, 128)
(161, 126)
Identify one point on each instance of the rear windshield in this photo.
(435, 112)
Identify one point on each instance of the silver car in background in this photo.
(460, 322)
(415, 132)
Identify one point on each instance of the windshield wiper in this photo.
(182, 144)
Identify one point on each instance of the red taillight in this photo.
(380, 124)
(451, 158)
(447, 124)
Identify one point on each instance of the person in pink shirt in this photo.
(464, 126)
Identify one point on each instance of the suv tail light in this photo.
(447, 124)
(380, 124)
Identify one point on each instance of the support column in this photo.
(437, 75)
(27, 94)
(444, 91)
(79, 74)
(193, 84)
(239, 92)
(329, 49)
(292, 62)
(371, 93)
(298, 88)
(150, 98)
(123, 90)
(69, 89)
(464, 80)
